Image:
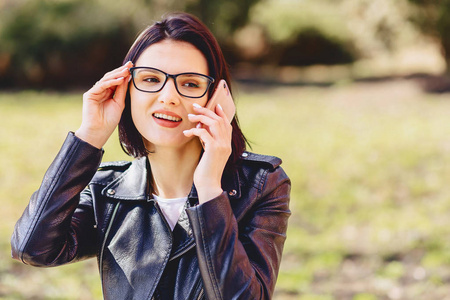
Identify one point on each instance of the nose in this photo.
(169, 94)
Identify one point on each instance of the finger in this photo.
(206, 120)
(101, 86)
(205, 111)
(202, 133)
(216, 127)
(119, 72)
(103, 90)
(219, 111)
(121, 91)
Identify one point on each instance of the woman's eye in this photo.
(191, 85)
(151, 80)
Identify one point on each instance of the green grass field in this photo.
(369, 165)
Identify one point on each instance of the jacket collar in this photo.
(132, 184)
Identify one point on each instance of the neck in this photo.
(173, 169)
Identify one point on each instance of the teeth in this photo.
(170, 118)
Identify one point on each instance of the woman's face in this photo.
(162, 117)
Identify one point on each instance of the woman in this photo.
(193, 216)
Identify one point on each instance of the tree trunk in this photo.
(443, 27)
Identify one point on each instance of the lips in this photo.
(162, 116)
(166, 119)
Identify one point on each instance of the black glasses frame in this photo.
(174, 77)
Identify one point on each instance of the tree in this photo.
(223, 17)
(62, 44)
(433, 18)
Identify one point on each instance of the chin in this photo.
(176, 142)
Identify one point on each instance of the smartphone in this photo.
(222, 96)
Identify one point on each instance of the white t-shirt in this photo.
(171, 209)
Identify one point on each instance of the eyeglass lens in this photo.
(187, 84)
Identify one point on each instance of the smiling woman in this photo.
(194, 215)
(165, 95)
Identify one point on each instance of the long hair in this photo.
(185, 28)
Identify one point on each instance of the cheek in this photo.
(139, 101)
(201, 101)
(138, 109)
(189, 105)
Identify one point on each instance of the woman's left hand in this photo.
(215, 133)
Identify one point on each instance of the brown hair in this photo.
(186, 28)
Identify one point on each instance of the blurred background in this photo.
(351, 94)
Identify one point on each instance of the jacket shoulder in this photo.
(257, 169)
(114, 165)
(108, 171)
(263, 161)
(264, 173)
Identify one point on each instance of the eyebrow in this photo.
(186, 72)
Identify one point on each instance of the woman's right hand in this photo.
(103, 105)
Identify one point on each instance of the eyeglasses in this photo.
(151, 80)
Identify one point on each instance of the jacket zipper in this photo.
(200, 295)
(198, 288)
(105, 238)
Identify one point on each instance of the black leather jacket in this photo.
(227, 248)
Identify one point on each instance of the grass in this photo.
(369, 163)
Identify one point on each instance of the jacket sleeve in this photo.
(241, 261)
(50, 229)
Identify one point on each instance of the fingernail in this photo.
(197, 105)
(199, 125)
(129, 79)
(220, 106)
(185, 131)
(120, 78)
(191, 115)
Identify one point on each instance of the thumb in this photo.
(121, 91)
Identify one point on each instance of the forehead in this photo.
(173, 57)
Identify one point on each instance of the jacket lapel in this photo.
(131, 184)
